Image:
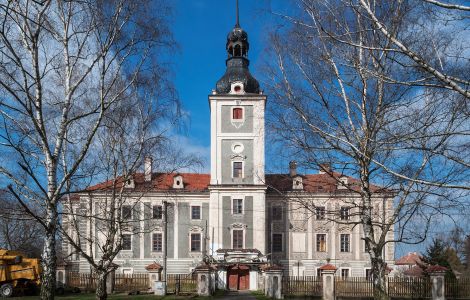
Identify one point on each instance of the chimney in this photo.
(324, 168)
(148, 168)
(293, 168)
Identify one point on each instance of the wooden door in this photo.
(232, 280)
(243, 280)
(238, 278)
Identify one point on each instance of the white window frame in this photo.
(200, 241)
(243, 234)
(243, 206)
(349, 243)
(341, 272)
(348, 209)
(243, 114)
(324, 213)
(131, 212)
(152, 250)
(326, 242)
(243, 168)
(191, 211)
(132, 241)
(282, 242)
(153, 205)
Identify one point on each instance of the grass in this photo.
(259, 295)
(114, 297)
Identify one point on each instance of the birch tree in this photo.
(342, 98)
(63, 66)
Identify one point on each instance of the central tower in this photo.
(237, 186)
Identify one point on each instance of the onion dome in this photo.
(237, 63)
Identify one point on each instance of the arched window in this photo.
(237, 113)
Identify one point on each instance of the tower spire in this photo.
(237, 25)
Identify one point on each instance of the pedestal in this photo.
(273, 282)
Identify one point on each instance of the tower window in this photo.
(237, 206)
(277, 242)
(237, 169)
(195, 242)
(237, 113)
(237, 239)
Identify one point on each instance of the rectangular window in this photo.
(344, 273)
(195, 242)
(344, 239)
(237, 169)
(195, 212)
(157, 242)
(237, 239)
(126, 212)
(126, 242)
(277, 213)
(157, 212)
(344, 213)
(277, 242)
(321, 242)
(237, 207)
(320, 213)
(237, 113)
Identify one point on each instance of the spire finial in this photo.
(238, 21)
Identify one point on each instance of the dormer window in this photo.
(343, 183)
(297, 183)
(178, 182)
(129, 184)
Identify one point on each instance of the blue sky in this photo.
(200, 29)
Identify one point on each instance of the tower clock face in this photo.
(237, 148)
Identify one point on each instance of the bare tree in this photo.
(18, 231)
(340, 99)
(441, 64)
(113, 209)
(63, 65)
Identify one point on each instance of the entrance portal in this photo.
(238, 277)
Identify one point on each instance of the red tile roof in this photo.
(193, 182)
(411, 258)
(436, 268)
(328, 267)
(154, 266)
(414, 271)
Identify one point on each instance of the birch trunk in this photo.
(101, 285)
(48, 262)
(378, 272)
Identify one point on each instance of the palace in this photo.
(237, 217)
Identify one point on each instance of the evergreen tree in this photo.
(439, 254)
